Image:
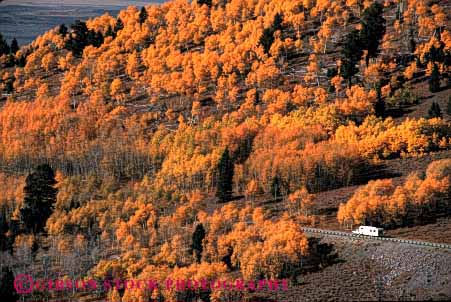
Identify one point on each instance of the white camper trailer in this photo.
(369, 231)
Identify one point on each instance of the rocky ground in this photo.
(384, 271)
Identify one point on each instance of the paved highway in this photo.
(356, 236)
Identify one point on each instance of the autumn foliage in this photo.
(417, 200)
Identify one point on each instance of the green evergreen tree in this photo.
(352, 53)
(94, 38)
(9, 85)
(225, 177)
(434, 111)
(14, 46)
(62, 30)
(436, 54)
(110, 32)
(434, 80)
(373, 29)
(206, 2)
(379, 106)
(412, 43)
(4, 242)
(277, 23)
(81, 36)
(198, 237)
(276, 187)
(7, 291)
(78, 39)
(22, 61)
(10, 61)
(143, 15)
(267, 39)
(119, 25)
(39, 200)
(331, 72)
(4, 47)
(227, 259)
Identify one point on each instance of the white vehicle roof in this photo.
(370, 227)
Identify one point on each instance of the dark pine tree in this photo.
(352, 53)
(119, 25)
(257, 98)
(110, 32)
(39, 200)
(276, 187)
(434, 80)
(206, 2)
(436, 54)
(143, 15)
(225, 177)
(331, 72)
(78, 39)
(412, 44)
(277, 23)
(4, 242)
(267, 39)
(379, 106)
(62, 30)
(435, 110)
(9, 85)
(4, 47)
(22, 61)
(95, 38)
(7, 290)
(373, 29)
(227, 259)
(198, 237)
(14, 46)
(10, 61)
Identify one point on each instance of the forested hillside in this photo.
(149, 144)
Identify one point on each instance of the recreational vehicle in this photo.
(369, 231)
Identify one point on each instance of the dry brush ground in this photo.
(368, 271)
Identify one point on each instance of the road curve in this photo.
(399, 240)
